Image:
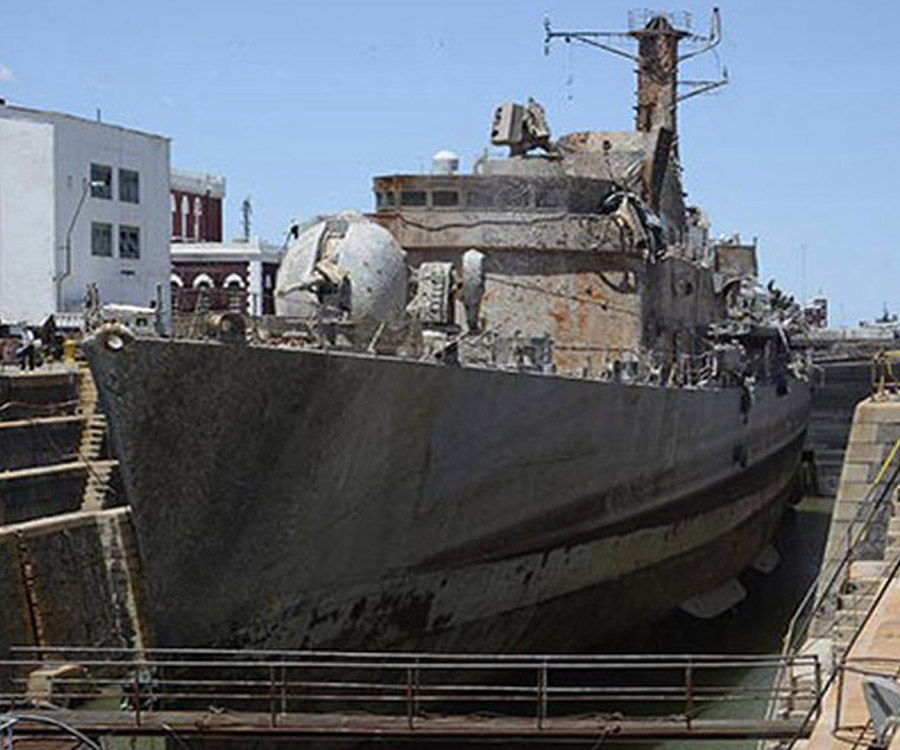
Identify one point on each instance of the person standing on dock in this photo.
(26, 350)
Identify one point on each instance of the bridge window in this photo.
(413, 198)
(479, 198)
(551, 197)
(445, 198)
(385, 200)
(514, 195)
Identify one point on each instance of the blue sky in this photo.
(298, 104)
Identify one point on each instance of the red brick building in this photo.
(208, 273)
(237, 275)
(196, 202)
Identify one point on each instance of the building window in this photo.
(129, 186)
(129, 242)
(101, 239)
(101, 181)
(202, 281)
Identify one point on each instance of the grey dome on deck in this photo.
(347, 265)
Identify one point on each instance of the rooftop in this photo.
(13, 111)
(198, 182)
(235, 250)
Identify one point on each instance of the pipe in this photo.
(85, 185)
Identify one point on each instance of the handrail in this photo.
(410, 687)
(338, 656)
(866, 514)
(884, 378)
(860, 665)
(818, 597)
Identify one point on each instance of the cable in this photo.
(12, 719)
(56, 405)
(175, 736)
(483, 222)
(603, 304)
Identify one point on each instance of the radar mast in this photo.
(658, 36)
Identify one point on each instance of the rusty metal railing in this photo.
(857, 730)
(886, 373)
(821, 597)
(287, 688)
(821, 601)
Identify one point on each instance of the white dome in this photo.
(444, 162)
(347, 264)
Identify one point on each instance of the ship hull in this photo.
(293, 498)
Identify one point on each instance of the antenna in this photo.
(658, 36)
(246, 214)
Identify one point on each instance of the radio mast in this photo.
(658, 36)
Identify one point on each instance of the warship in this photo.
(526, 408)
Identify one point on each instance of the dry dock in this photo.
(68, 565)
(74, 572)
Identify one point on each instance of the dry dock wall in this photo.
(41, 491)
(27, 394)
(53, 464)
(69, 579)
(69, 572)
(839, 387)
(36, 442)
(876, 427)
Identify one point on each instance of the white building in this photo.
(80, 202)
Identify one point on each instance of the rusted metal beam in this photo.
(432, 727)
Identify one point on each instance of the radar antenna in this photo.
(658, 36)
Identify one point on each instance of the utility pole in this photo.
(246, 217)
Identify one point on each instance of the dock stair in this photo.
(69, 560)
(102, 471)
(858, 578)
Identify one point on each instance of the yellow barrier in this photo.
(70, 347)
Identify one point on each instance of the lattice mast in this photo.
(658, 38)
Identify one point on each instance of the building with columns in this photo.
(196, 204)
